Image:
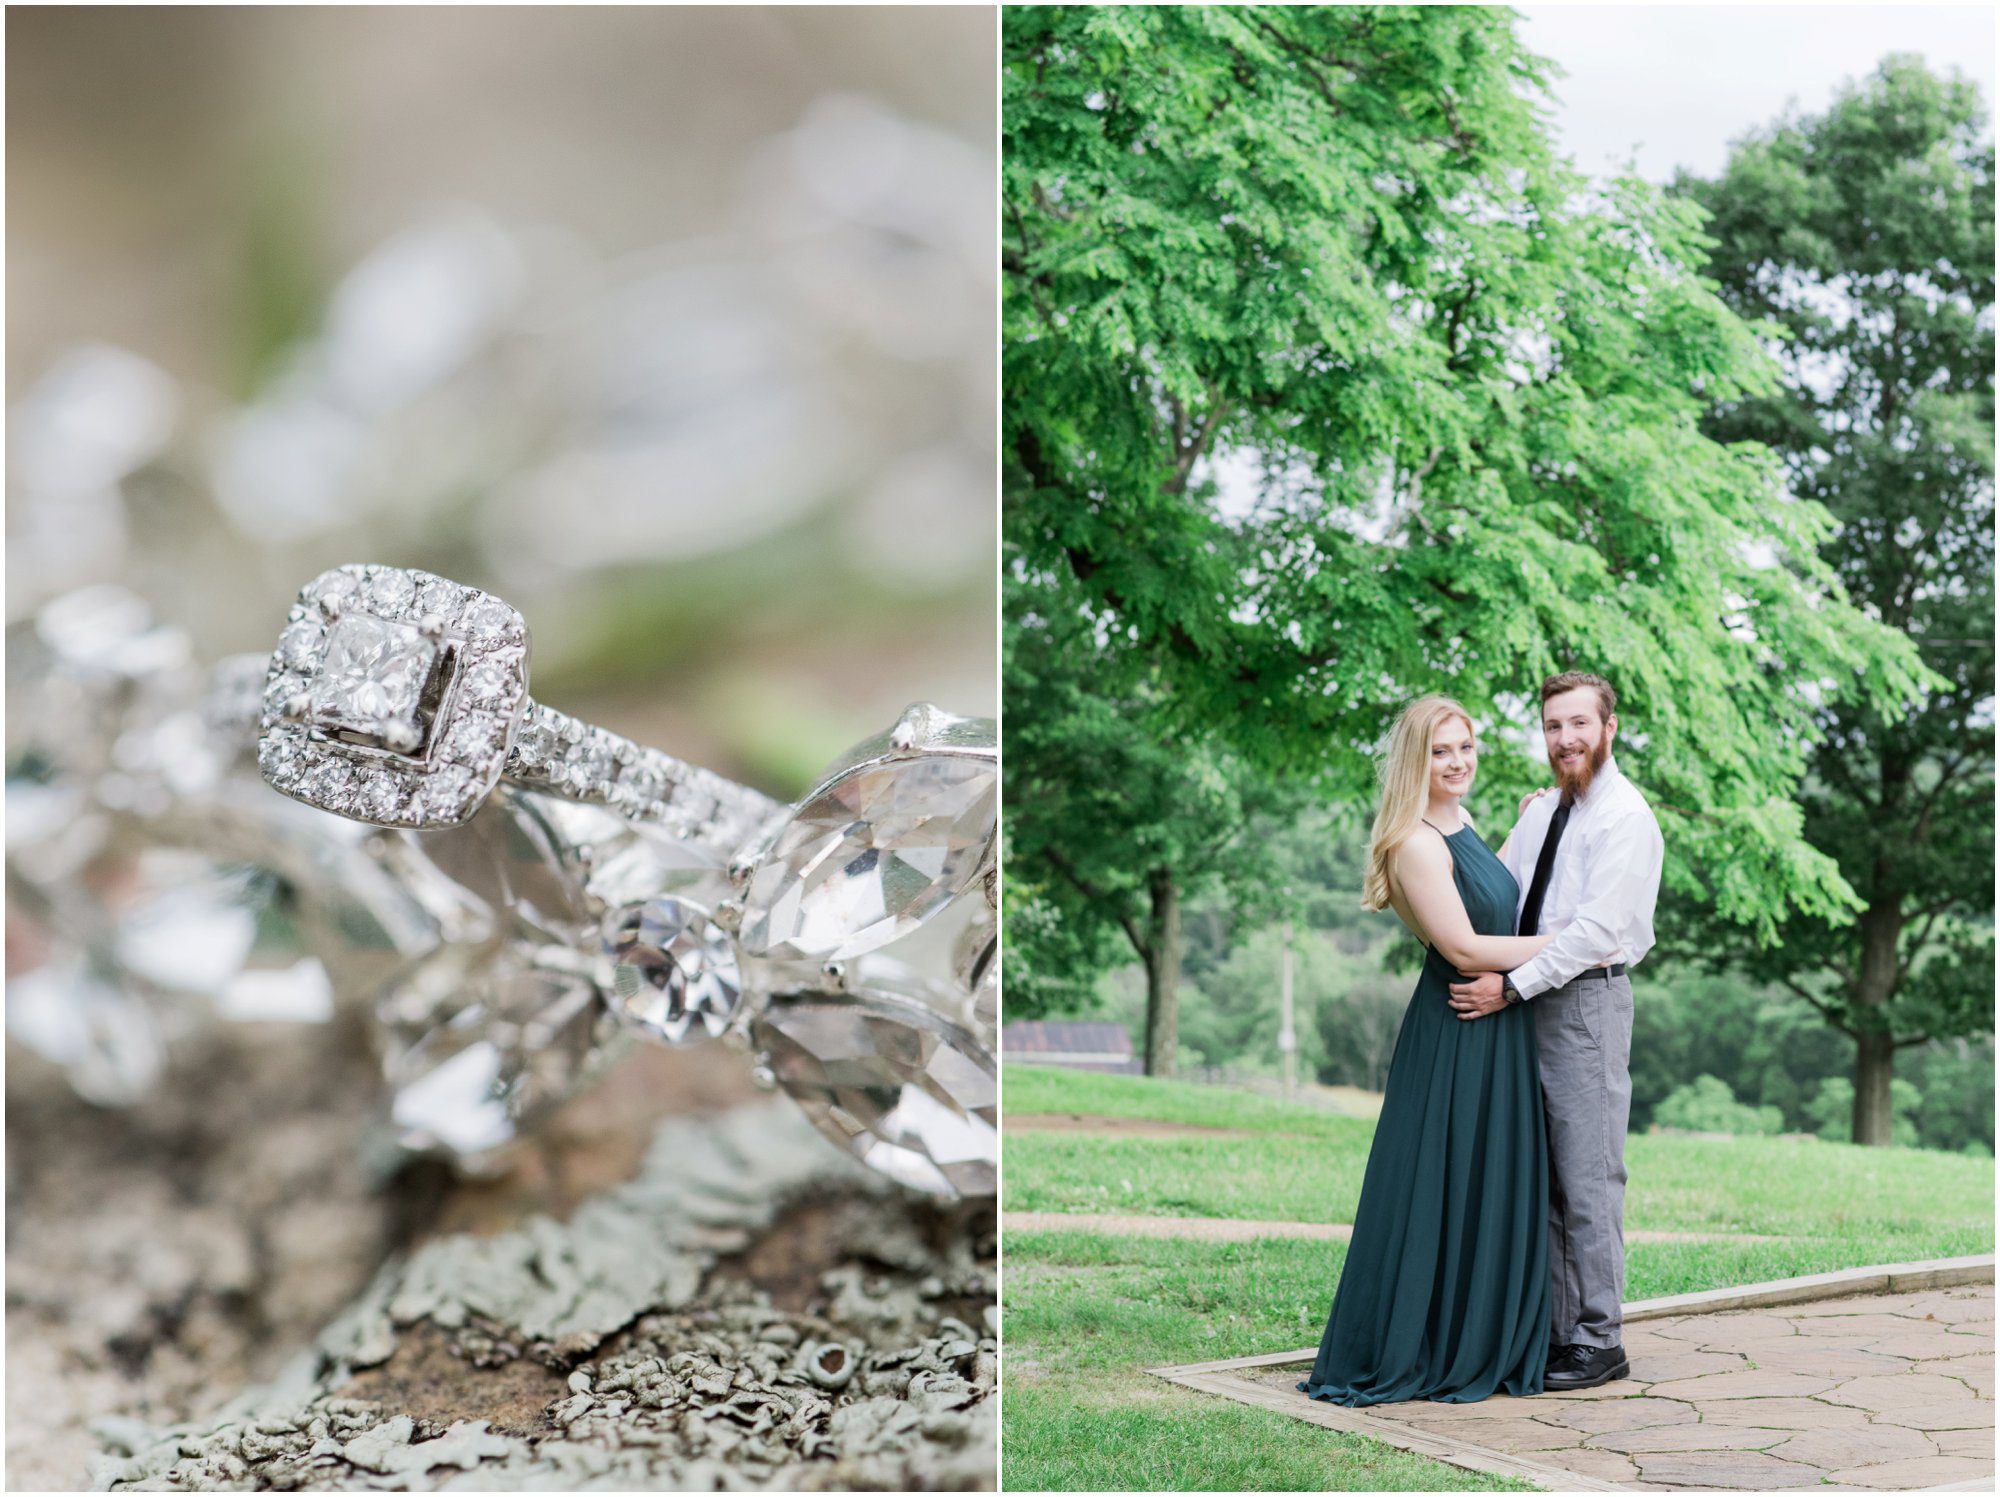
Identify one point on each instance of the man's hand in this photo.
(1478, 998)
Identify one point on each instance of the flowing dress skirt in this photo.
(1445, 1292)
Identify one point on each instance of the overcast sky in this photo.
(1671, 85)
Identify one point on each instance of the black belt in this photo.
(1616, 969)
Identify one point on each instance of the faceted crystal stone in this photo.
(870, 855)
(340, 587)
(492, 679)
(332, 783)
(300, 644)
(445, 791)
(910, 1093)
(373, 676)
(674, 974)
(379, 794)
(494, 1028)
(465, 1087)
(489, 618)
(475, 737)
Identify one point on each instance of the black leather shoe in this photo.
(1559, 1353)
(1587, 1367)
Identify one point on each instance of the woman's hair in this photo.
(1405, 773)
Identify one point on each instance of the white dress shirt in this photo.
(1606, 880)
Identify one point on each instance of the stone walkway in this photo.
(1231, 1229)
(1866, 1392)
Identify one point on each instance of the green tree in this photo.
(1113, 823)
(1832, 1111)
(1707, 1105)
(1333, 245)
(1865, 236)
(1955, 1078)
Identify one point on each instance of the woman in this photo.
(1445, 1295)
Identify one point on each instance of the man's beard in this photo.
(1576, 783)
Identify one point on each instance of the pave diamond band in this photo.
(400, 698)
(561, 755)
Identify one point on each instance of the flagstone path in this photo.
(1864, 1392)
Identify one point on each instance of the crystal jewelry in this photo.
(401, 698)
(610, 930)
(510, 955)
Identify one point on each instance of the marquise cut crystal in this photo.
(870, 855)
(911, 1094)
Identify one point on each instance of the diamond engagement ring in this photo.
(401, 698)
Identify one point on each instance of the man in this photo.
(1587, 860)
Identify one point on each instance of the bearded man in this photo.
(1587, 857)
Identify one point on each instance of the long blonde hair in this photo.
(1405, 773)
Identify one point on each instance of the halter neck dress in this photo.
(1445, 1291)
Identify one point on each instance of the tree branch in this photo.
(1068, 870)
(1825, 1012)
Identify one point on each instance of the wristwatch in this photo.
(1509, 992)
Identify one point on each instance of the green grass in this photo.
(1304, 1164)
(1043, 1089)
(1087, 1312)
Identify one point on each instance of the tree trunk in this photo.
(1163, 975)
(1874, 1069)
(1875, 1044)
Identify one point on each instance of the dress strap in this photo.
(1436, 828)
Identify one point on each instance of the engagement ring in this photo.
(401, 698)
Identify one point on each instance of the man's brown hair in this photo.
(1607, 699)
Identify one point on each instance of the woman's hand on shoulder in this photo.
(1532, 796)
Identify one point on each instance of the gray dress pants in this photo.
(1584, 1031)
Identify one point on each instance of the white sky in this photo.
(1671, 85)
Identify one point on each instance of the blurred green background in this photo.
(674, 326)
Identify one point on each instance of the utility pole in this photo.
(1288, 1037)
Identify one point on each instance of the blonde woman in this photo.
(1445, 1292)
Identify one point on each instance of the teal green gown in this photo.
(1445, 1294)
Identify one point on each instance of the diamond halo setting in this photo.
(401, 698)
(392, 696)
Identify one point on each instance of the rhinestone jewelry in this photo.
(534, 896)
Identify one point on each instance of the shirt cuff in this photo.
(1529, 981)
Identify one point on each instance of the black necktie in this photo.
(1538, 886)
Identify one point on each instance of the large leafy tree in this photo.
(1866, 235)
(1114, 823)
(1333, 246)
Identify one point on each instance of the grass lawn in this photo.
(1086, 1313)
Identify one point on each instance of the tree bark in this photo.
(680, 1286)
(1875, 1045)
(1874, 1069)
(1163, 975)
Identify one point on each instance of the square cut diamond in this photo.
(404, 729)
(376, 676)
